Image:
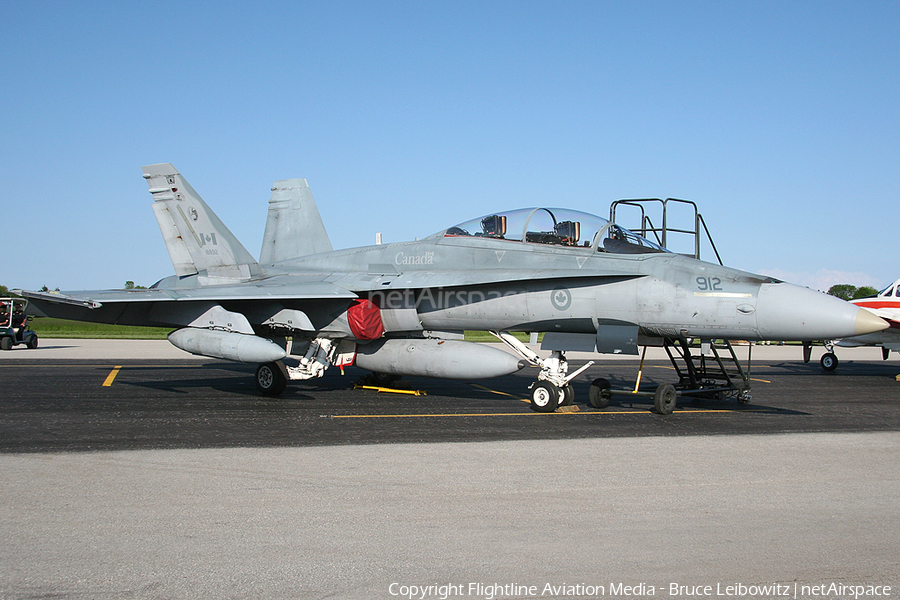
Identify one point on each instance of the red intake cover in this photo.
(365, 320)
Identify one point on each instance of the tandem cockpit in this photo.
(556, 227)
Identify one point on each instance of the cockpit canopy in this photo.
(558, 227)
(892, 290)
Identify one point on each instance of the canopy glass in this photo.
(557, 227)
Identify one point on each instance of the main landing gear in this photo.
(552, 388)
(272, 378)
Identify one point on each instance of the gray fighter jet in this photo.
(400, 309)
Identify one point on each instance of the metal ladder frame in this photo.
(703, 379)
(646, 228)
(708, 377)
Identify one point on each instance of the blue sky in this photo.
(780, 119)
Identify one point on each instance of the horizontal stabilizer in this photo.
(294, 227)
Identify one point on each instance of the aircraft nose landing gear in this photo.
(552, 388)
(544, 396)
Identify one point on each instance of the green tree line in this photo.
(845, 291)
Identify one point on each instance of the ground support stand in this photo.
(713, 373)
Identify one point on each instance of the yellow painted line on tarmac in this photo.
(515, 414)
(112, 376)
(538, 414)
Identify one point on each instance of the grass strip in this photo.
(61, 328)
(47, 327)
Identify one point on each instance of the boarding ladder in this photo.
(715, 371)
(662, 234)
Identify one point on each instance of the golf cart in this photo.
(14, 324)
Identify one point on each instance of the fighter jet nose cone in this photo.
(867, 322)
(791, 312)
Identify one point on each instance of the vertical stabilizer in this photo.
(293, 226)
(197, 240)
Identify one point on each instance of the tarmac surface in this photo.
(134, 470)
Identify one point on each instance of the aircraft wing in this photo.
(297, 297)
(324, 286)
(290, 288)
(168, 307)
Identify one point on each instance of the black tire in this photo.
(270, 380)
(665, 398)
(6, 343)
(567, 395)
(829, 361)
(599, 394)
(385, 379)
(544, 397)
(33, 343)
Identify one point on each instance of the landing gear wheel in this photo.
(567, 395)
(829, 361)
(544, 397)
(384, 379)
(270, 380)
(599, 395)
(664, 399)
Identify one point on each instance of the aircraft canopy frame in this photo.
(555, 227)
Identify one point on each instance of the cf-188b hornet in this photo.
(400, 308)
